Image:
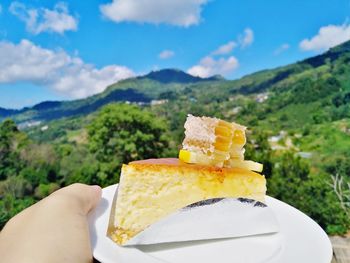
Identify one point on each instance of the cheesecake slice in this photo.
(152, 189)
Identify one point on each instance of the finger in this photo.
(86, 196)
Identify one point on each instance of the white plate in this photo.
(300, 240)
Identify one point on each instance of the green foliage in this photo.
(293, 183)
(321, 203)
(33, 176)
(11, 140)
(15, 186)
(8, 127)
(123, 132)
(289, 173)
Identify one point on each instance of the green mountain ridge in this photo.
(176, 76)
(172, 83)
(139, 90)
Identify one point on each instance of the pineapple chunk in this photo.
(249, 165)
(198, 158)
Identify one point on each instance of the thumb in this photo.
(86, 197)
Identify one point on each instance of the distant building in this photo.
(261, 97)
(158, 102)
(44, 128)
(236, 110)
(306, 155)
(28, 124)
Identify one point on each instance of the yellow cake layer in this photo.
(151, 190)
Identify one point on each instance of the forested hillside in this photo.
(298, 119)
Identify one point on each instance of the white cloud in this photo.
(208, 66)
(165, 54)
(281, 49)
(225, 49)
(247, 38)
(218, 62)
(67, 75)
(40, 20)
(327, 37)
(175, 12)
(243, 41)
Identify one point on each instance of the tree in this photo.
(313, 194)
(125, 132)
(7, 127)
(11, 140)
(321, 203)
(288, 177)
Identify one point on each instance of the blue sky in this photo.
(52, 50)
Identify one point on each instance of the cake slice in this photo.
(152, 189)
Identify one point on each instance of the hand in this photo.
(53, 230)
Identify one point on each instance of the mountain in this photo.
(140, 90)
(46, 105)
(330, 56)
(311, 80)
(7, 112)
(176, 76)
